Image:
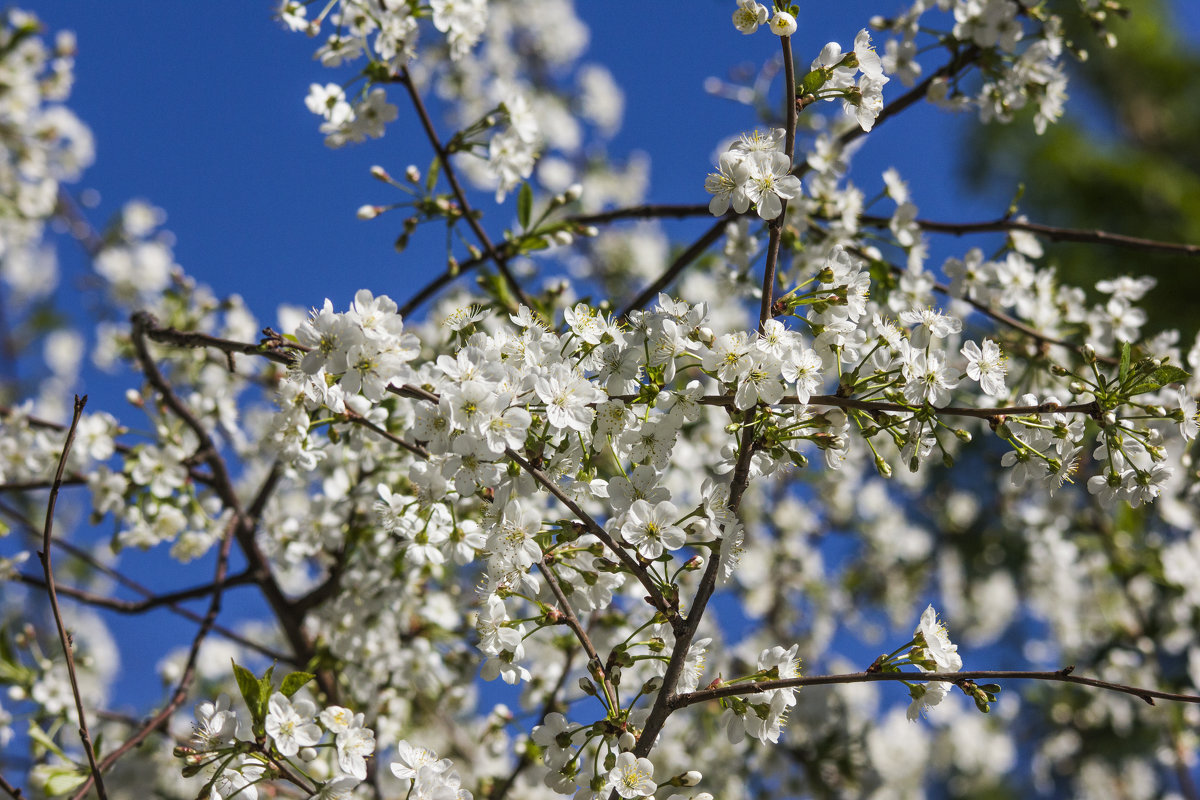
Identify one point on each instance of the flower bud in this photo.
(308, 754)
(573, 192)
(380, 174)
(368, 212)
(412, 174)
(627, 741)
(587, 687)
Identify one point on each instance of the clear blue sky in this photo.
(199, 109)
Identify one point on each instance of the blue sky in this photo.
(203, 115)
(199, 109)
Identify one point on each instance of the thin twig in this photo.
(1065, 675)
(139, 606)
(1051, 232)
(500, 790)
(694, 251)
(572, 621)
(499, 259)
(654, 596)
(236, 523)
(63, 638)
(129, 583)
(270, 349)
(143, 324)
(12, 791)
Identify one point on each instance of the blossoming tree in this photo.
(661, 516)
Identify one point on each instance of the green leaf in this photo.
(432, 175)
(266, 687)
(811, 82)
(1125, 357)
(524, 205)
(57, 779)
(1169, 373)
(250, 688)
(42, 738)
(1143, 387)
(293, 682)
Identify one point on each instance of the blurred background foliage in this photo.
(1130, 164)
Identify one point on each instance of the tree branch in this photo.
(1065, 675)
(654, 596)
(47, 568)
(1051, 232)
(499, 259)
(243, 523)
(595, 664)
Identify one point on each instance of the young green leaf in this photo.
(524, 205)
(294, 681)
(250, 688)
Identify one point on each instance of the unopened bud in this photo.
(562, 237)
(884, 468)
(963, 435)
(587, 687)
(573, 192)
(308, 753)
(412, 174)
(690, 778)
(651, 686)
(380, 174)
(627, 741)
(368, 212)
(1089, 354)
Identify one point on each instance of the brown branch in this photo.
(1065, 675)
(642, 211)
(499, 259)
(595, 665)
(63, 637)
(189, 670)
(654, 596)
(243, 523)
(1051, 232)
(451, 274)
(188, 614)
(271, 349)
(878, 405)
(956, 64)
(10, 790)
(682, 262)
(660, 709)
(29, 486)
(140, 606)
(362, 421)
(499, 791)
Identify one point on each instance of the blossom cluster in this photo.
(549, 493)
(235, 764)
